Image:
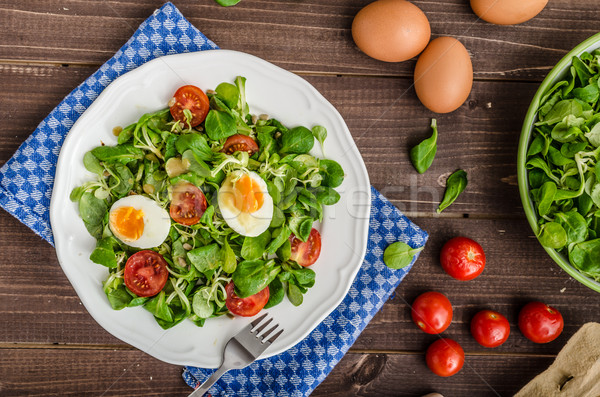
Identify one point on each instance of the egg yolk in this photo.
(128, 222)
(247, 195)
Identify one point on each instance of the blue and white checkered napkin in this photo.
(299, 370)
(26, 187)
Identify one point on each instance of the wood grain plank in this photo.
(280, 30)
(29, 93)
(59, 372)
(98, 372)
(408, 375)
(50, 345)
(385, 119)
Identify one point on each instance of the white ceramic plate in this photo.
(270, 90)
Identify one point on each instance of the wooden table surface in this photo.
(50, 345)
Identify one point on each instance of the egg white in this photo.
(245, 223)
(157, 221)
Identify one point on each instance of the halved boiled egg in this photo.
(139, 221)
(245, 203)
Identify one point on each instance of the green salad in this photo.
(203, 209)
(563, 165)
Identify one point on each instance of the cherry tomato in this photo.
(432, 312)
(462, 258)
(306, 253)
(540, 323)
(192, 98)
(490, 328)
(445, 357)
(246, 307)
(188, 204)
(146, 273)
(240, 143)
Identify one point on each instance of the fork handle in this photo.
(209, 382)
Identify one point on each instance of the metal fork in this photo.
(242, 350)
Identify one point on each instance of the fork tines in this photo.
(256, 329)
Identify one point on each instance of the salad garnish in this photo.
(202, 209)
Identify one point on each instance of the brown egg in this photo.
(443, 75)
(391, 30)
(507, 12)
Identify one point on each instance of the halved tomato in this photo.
(146, 273)
(240, 143)
(306, 253)
(245, 307)
(193, 99)
(188, 204)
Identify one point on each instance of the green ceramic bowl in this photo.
(558, 72)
